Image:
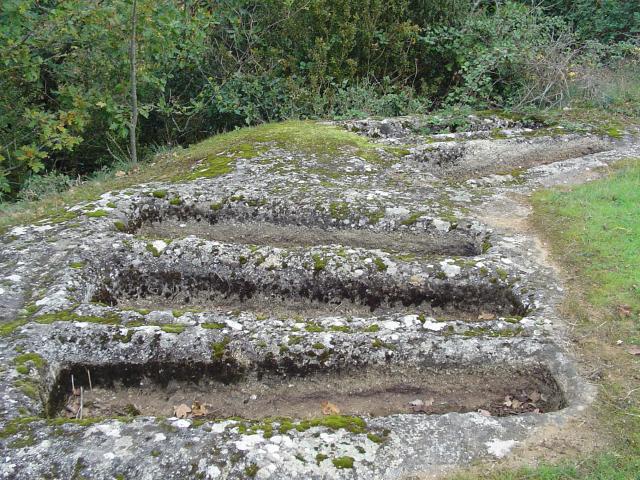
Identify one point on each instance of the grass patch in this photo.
(597, 228)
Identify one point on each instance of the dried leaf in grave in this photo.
(329, 408)
(516, 403)
(486, 316)
(120, 173)
(181, 411)
(534, 396)
(416, 405)
(484, 413)
(428, 402)
(624, 311)
(634, 350)
(198, 409)
(507, 401)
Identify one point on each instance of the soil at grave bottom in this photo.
(489, 157)
(370, 393)
(278, 307)
(287, 236)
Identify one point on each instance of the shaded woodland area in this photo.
(206, 67)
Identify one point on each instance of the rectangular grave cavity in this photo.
(155, 389)
(303, 284)
(254, 223)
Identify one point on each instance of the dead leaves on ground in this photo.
(525, 402)
(634, 350)
(421, 406)
(181, 411)
(624, 311)
(196, 409)
(329, 408)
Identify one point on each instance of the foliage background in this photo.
(206, 67)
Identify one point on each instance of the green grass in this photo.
(593, 231)
(598, 225)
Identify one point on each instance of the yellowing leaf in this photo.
(181, 411)
(198, 409)
(329, 408)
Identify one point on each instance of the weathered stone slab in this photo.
(357, 281)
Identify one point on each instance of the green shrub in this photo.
(37, 186)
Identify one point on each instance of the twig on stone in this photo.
(89, 376)
(81, 402)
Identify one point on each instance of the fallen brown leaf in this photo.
(484, 413)
(634, 350)
(486, 316)
(181, 411)
(534, 396)
(329, 408)
(198, 409)
(624, 311)
(120, 173)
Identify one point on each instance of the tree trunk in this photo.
(134, 91)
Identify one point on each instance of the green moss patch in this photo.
(9, 327)
(69, 316)
(23, 360)
(218, 349)
(213, 325)
(97, 214)
(152, 250)
(173, 328)
(343, 462)
(159, 193)
(120, 226)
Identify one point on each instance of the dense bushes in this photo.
(208, 66)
